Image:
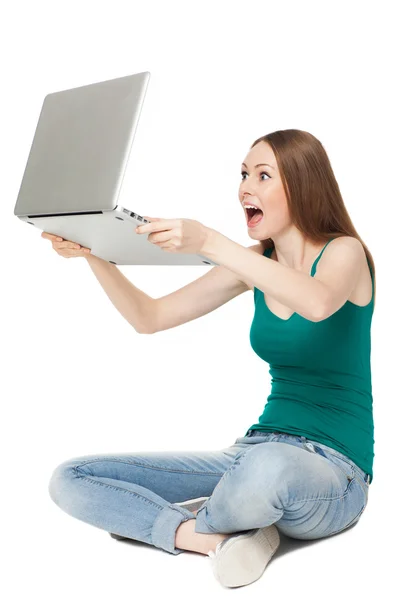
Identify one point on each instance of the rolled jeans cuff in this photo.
(201, 523)
(165, 526)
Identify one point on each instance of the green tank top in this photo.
(320, 375)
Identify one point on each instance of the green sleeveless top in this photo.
(320, 375)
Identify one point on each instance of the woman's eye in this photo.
(262, 173)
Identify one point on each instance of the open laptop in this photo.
(76, 166)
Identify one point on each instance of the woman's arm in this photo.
(314, 298)
(134, 305)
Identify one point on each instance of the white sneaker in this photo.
(194, 503)
(242, 558)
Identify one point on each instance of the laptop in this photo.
(75, 170)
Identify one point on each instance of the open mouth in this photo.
(254, 216)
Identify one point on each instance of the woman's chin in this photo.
(255, 231)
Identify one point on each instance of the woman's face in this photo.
(262, 187)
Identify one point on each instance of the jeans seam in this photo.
(82, 464)
(87, 479)
(364, 487)
(351, 522)
(346, 493)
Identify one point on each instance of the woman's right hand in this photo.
(66, 248)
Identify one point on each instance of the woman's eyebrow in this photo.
(260, 165)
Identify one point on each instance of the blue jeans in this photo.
(306, 489)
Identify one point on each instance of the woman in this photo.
(305, 467)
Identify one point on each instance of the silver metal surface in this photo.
(75, 170)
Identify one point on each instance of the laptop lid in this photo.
(75, 170)
(81, 148)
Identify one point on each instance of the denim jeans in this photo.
(306, 489)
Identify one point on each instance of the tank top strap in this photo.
(372, 277)
(314, 266)
(267, 252)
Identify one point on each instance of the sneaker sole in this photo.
(194, 503)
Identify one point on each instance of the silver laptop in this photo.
(76, 166)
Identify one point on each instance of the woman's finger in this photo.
(51, 236)
(66, 244)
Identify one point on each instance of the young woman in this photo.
(305, 467)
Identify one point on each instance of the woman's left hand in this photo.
(177, 235)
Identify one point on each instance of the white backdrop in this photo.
(77, 378)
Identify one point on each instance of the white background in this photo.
(78, 379)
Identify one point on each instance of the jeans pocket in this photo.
(344, 466)
(347, 468)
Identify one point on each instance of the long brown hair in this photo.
(314, 200)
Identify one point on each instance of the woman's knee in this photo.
(62, 478)
(252, 493)
(263, 470)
